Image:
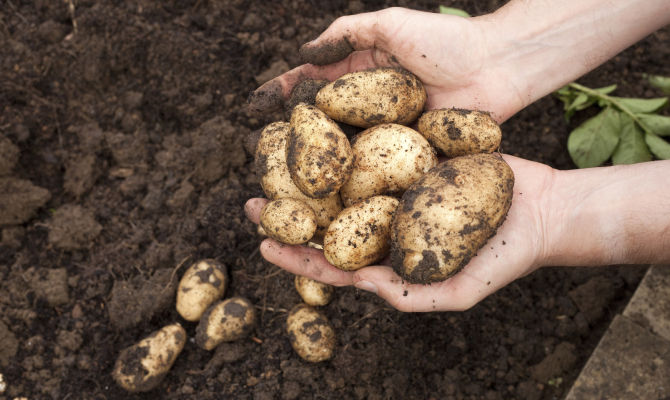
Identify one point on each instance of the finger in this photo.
(304, 261)
(253, 207)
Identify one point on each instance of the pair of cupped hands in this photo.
(451, 57)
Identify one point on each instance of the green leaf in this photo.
(453, 11)
(658, 146)
(632, 148)
(659, 124)
(661, 82)
(642, 105)
(593, 142)
(606, 90)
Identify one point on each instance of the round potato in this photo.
(225, 321)
(289, 221)
(276, 180)
(318, 153)
(458, 132)
(448, 215)
(373, 97)
(314, 293)
(203, 283)
(387, 160)
(142, 366)
(361, 233)
(311, 334)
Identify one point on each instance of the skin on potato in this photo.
(456, 132)
(310, 333)
(142, 366)
(373, 97)
(448, 215)
(225, 321)
(318, 153)
(361, 233)
(313, 293)
(387, 160)
(203, 283)
(275, 179)
(289, 221)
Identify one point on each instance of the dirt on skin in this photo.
(129, 119)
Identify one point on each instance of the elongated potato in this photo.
(203, 283)
(361, 233)
(373, 97)
(289, 221)
(142, 366)
(458, 132)
(313, 293)
(276, 180)
(387, 160)
(311, 334)
(225, 321)
(318, 153)
(448, 215)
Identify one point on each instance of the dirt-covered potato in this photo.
(289, 221)
(276, 180)
(458, 132)
(448, 215)
(225, 321)
(203, 283)
(314, 293)
(310, 333)
(142, 366)
(361, 233)
(318, 153)
(373, 97)
(388, 158)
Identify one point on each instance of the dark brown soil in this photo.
(131, 165)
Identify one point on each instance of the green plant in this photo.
(627, 130)
(453, 11)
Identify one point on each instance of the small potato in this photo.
(361, 233)
(387, 160)
(225, 321)
(203, 283)
(373, 97)
(311, 334)
(448, 215)
(318, 153)
(142, 366)
(314, 293)
(289, 221)
(276, 180)
(458, 132)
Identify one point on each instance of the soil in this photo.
(123, 161)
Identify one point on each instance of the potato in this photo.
(318, 153)
(276, 181)
(203, 283)
(448, 215)
(142, 366)
(361, 233)
(311, 334)
(373, 97)
(289, 221)
(387, 160)
(459, 132)
(225, 321)
(314, 293)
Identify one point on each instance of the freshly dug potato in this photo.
(225, 321)
(318, 153)
(448, 215)
(361, 233)
(373, 97)
(388, 158)
(289, 221)
(314, 293)
(276, 180)
(142, 366)
(458, 132)
(311, 334)
(203, 283)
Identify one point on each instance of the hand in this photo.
(517, 249)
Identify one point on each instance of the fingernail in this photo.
(367, 286)
(246, 208)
